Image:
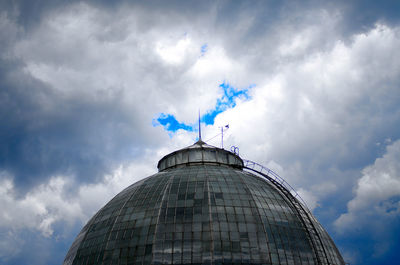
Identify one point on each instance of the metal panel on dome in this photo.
(195, 156)
(222, 158)
(210, 155)
(171, 161)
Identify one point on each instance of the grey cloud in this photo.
(79, 102)
(356, 15)
(377, 192)
(269, 27)
(92, 116)
(375, 202)
(42, 134)
(360, 16)
(323, 115)
(29, 13)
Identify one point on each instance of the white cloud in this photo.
(309, 198)
(51, 203)
(42, 207)
(147, 70)
(302, 114)
(175, 53)
(377, 194)
(313, 116)
(10, 244)
(38, 209)
(319, 102)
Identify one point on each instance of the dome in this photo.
(204, 206)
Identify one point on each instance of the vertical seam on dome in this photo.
(307, 215)
(88, 225)
(122, 207)
(90, 222)
(259, 215)
(158, 215)
(210, 216)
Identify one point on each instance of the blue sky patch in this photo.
(171, 124)
(204, 49)
(226, 101)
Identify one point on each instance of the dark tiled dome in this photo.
(203, 208)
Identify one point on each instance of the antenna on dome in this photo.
(226, 127)
(199, 127)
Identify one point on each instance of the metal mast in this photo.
(199, 127)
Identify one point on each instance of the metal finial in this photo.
(199, 127)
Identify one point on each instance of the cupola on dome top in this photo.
(200, 153)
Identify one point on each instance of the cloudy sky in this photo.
(93, 94)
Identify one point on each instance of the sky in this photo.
(93, 94)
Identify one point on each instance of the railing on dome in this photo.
(300, 206)
(260, 168)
